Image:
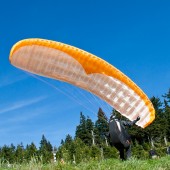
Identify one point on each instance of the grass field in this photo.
(109, 164)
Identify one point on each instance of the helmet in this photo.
(113, 116)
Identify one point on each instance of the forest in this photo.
(91, 143)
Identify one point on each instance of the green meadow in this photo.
(162, 163)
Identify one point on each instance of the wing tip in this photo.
(152, 118)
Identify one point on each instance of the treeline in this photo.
(20, 154)
(91, 142)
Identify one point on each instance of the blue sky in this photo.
(134, 36)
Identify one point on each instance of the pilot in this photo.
(119, 137)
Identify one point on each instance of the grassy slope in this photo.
(133, 164)
(110, 164)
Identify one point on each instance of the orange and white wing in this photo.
(80, 68)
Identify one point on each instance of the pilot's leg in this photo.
(128, 152)
(120, 148)
(122, 155)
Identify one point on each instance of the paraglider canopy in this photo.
(80, 68)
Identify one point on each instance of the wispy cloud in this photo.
(21, 104)
(12, 79)
(28, 114)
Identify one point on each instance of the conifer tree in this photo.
(19, 153)
(101, 127)
(83, 130)
(167, 96)
(167, 113)
(89, 131)
(62, 142)
(45, 150)
(7, 154)
(30, 151)
(12, 153)
(68, 139)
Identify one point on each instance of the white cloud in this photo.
(21, 104)
(8, 80)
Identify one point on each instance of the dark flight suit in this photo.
(119, 137)
(168, 150)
